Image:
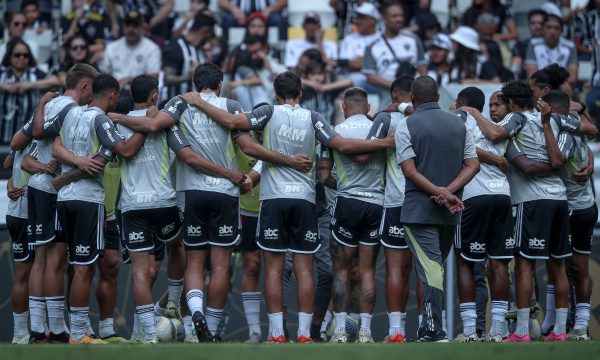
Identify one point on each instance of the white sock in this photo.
(582, 316)
(326, 320)
(21, 322)
(468, 314)
(340, 322)
(365, 322)
(37, 312)
(213, 318)
(549, 315)
(175, 290)
(187, 324)
(251, 302)
(444, 321)
(106, 328)
(394, 320)
(56, 314)
(195, 300)
(522, 322)
(79, 321)
(90, 329)
(499, 309)
(145, 315)
(135, 332)
(304, 320)
(275, 324)
(560, 325)
(159, 310)
(420, 319)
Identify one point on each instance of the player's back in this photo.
(363, 182)
(212, 141)
(580, 196)
(78, 135)
(52, 110)
(532, 143)
(146, 177)
(290, 131)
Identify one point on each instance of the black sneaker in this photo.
(38, 338)
(201, 328)
(437, 336)
(62, 338)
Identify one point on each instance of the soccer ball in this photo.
(535, 330)
(351, 329)
(165, 330)
(179, 330)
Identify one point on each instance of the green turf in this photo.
(235, 351)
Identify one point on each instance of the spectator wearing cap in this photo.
(535, 19)
(313, 39)
(439, 59)
(16, 28)
(498, 11)
(182, 55)
(428, 26)
(89, 19)
(352, 49)
(237, 11)
(551, 48)
(393, 50)
(156, 13)
(133, 54)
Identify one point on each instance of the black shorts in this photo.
(392, 229)
(112, 235)
(582, 229)
(42, 218)
(141, 227)
(248, 233)
(83, 227)
(355, 221)
(211, 218)
(542, 229)
(17, 228)
(158, 251)
(288, 225)
(486, 229)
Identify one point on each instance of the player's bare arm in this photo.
(202, 164)
(299, 162)
(224, 118)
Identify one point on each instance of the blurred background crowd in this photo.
(331, 44)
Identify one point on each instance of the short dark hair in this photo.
(79, 72)
(388, 4)
(553, 17)
(202, 20)
(104, 83)
(253, 39)
(558, 99)
(124, 102)
(472, 96)
(552, 75)
(402, 84)
(519, 92)
(287, 85)
(10, 47)
(424, 89)
(356, 94)
(142, 86)
(27, 3)
(207, 76)
(535, 12)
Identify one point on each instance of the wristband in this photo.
(402, 107)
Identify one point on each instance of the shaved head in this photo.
(355, 102)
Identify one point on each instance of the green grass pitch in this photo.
(236, 351)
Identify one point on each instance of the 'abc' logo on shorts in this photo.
(136, 236)
(396, 231)
(29, 230)
(168, 228)
(310, 236)
(536, 243)
(225, 230)
(477, 247)
(82, 250)
(17, 248)
(509, 243)
(194, 230)
(270, 234)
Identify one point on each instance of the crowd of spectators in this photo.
(373, 43)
